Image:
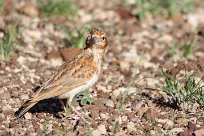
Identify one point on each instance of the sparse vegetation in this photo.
(1, 6)
(163, 7)
(67, 111)
(188, 48)
(6, 43)
(172, 50)
(85, 98)
(184, 90)
(90, 132)
(76, 39)
(59, 7)
(125, 94)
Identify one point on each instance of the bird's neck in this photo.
(97, 54)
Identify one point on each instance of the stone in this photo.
(30, 10)
(55, 58)
(131, 90)
(68, 53)
(104, 115)
(124, 118)
(175, 131)
(28, 115)
(37, 34)
(103, 88)
(72, 133)
(96, 132)
(182, 121)
(195, 19)
(186, 133)
(84, 16)
(5, 95)
(115, 93)
(199, 132)
(131, 126)
(124, 66)
(166, 121)
(110, 103)
(150, 114)
(191, 126)
(102, 129)
(24, 97)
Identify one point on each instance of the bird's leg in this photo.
(62, 103)
(64, 107)
(69, 102)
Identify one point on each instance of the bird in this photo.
(74, 76)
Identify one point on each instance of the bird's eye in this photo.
(89, 37)
(103, 38)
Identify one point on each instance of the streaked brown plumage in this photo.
(75, 75)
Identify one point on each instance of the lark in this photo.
(74, 76)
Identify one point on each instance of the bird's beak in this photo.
(94, 40)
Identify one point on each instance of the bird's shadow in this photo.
(161, 102)
(51, 106)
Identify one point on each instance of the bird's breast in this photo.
(81, 88)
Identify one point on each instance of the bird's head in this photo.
(96, 40)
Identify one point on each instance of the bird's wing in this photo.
(68, 76)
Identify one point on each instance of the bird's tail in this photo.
(24, 108)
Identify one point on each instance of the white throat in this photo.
(98, 54)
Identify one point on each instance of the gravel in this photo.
(137, 47)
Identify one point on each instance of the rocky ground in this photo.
(137, 51)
